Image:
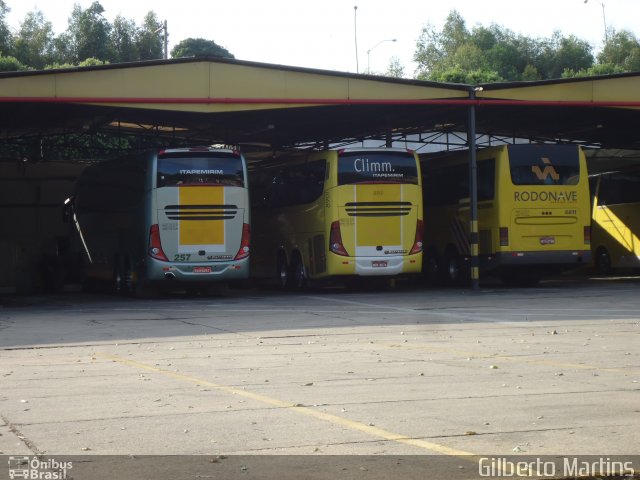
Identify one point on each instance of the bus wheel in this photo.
(430, 267)
(451, 267)
(118, 279)
(128, 285)
(603, 261)
(298, 277)
(282, 271)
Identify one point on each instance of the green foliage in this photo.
(90, 36)
(34, 45)
(395, 68)
(10, 64)
(489, 54)
(623, 49)
(89, 33)
(6, 40)
(124, 46)
(149, 41)
(197, 47)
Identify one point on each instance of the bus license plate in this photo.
(201, 269)
(379, 263)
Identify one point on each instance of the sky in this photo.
(334, 35)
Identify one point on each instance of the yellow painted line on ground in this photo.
(311, 412)
(521, 359)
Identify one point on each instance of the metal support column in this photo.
(473, 193)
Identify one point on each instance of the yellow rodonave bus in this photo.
(533, 212)
(616, 220)
(346, 212)
(160, 218)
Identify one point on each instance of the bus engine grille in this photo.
(378, 209)
(201, 212)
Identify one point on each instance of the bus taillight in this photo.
(504, 236)
(244, 243)
(335, 240)
(417, 244)
(587, 235)
(155, 247)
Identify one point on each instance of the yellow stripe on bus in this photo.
(201, 232)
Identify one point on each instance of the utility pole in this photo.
(604, 21)
(355, 34)
(165, 36)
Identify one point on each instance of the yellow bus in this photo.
(615, 220)
(347, 212)
(163, 218)
(533, 212)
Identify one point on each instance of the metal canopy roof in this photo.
(239, 102)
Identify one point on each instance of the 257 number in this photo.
(181, 257)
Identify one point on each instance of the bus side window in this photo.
(486, 179)
(610, 190)
(301, 184)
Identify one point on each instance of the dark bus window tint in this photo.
(200, 168)
(377, 167)
(118, 188)
(447, 185)
(486, 179)
(544, 164)
(298, 184)
(619, 187)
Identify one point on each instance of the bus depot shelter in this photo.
(263, 107)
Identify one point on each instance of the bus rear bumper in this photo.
(386, 266)
(558, 258)
(197, 273)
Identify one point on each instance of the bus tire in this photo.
(603, 261)
(282, 270)
(128, 285)
(431, 267)
(298, 276)
(118, 278)
(451, 267)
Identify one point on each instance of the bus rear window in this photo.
(544, 164)
(200, 168)
(377, 167)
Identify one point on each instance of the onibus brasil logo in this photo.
(38, 469)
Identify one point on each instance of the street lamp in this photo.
(604, 21)
(369, 51)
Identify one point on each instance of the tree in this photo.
(34, 43)
(197, 47)
(434, 48)
(395, 68)
(10, 64)
(621, 49)
(123, 40)
(149, 41)
(5, 33)
(558, 54)
(489, 54)
(89, 33)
